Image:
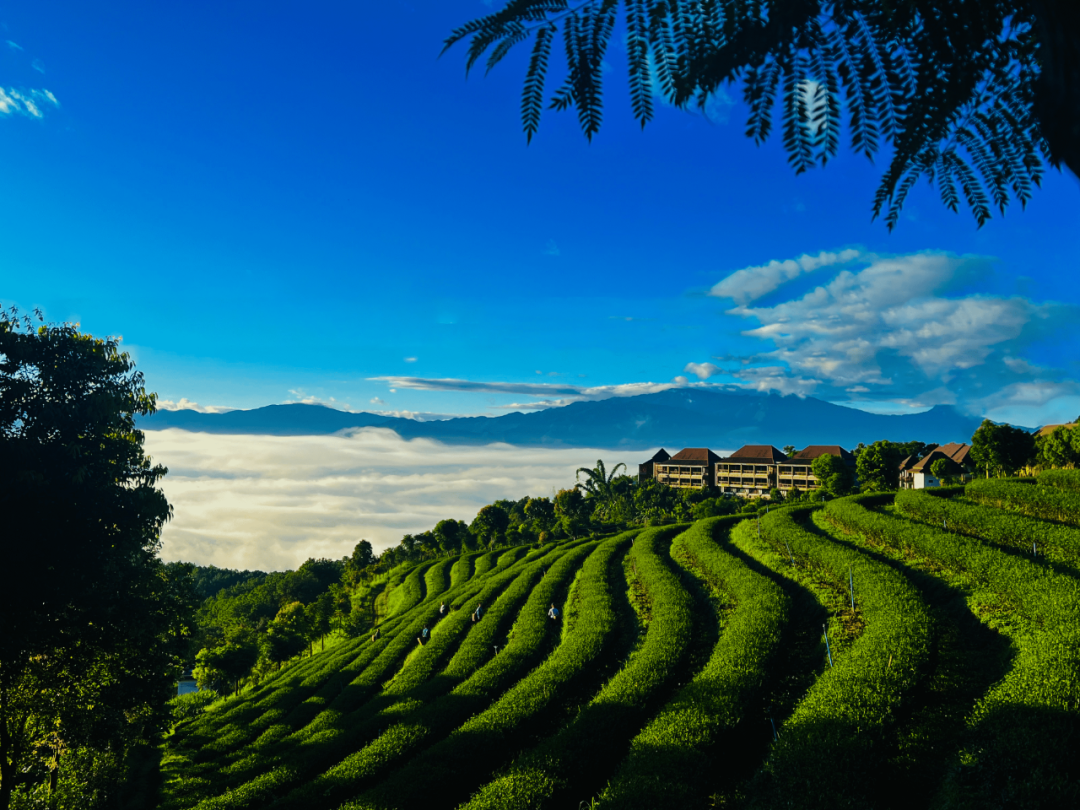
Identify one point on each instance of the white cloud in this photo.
(840, 332)
(751, 283)
(39, 66)
(553, 393)
(14, 45)
(270, 502)
(891, 337)
(185, 404)
(551, 249)
(28, 103)
(376, 401)
(702, 370)
(410, 359)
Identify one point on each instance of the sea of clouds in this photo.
(270, 502)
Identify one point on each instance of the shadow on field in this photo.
(966, 660)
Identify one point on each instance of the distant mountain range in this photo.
(673, 419)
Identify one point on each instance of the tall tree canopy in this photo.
(93, 623)
(970, 94)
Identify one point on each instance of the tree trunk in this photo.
(1057, 97)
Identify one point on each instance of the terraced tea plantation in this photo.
(916, 650)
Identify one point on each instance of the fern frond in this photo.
(760, 94)
(662, 42)
(973, 191)
(516, 32)
(532, 96)
(798, 141)
(637, 53)
(947, 185)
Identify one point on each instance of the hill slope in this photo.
(689, 669)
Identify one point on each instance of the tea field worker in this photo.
(442, 609)
(375, 635)
(554, 612)
(477, 613)
(423, 637)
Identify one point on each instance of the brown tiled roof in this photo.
(1046, 430)
(817, 450)
(699, 454)
(908, 463)
(924, 465)
(957, 451)
(764, 453)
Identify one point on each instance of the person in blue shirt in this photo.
(553, 612)
(476, 613)
(423, 637)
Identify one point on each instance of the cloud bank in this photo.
(897, 330)
(270, 502)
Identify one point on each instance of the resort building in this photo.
(646, 470)
(915, 473)
(749, 472)
(690, 468)
(797, 472)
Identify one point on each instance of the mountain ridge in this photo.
(674, 418)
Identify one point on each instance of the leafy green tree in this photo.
(944, 469)
(451, 535)
(970, 95)
(714, 507)
(878, 466)
(92, 624)
(775, 495)
(319, 615)
(833, 475)
(571, 503)
(428, 544)
(489, 524)
(1001, 449)
(789, 450)
(228, 664)
(1061, 448)
(341, 599)
(287, 635)
(654, 502)
(362, 556)
(541, 511)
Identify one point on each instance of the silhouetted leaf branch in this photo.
(948, 87)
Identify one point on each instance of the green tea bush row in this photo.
(843, 730)
(487, 674)
(437, 579)
(463, 569)
(1024, 745)
(600, 729)
(486, 562)
(410, 593)
(452, 766)
(341, 682)
(318, 746)
(274, 721)
(668, 762)
(1035, 501)
(382, 656)
(1061, 479)
(1052, 541)
(345, 689)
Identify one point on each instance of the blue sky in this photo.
(280, 201)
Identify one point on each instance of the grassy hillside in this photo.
(876, 651)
